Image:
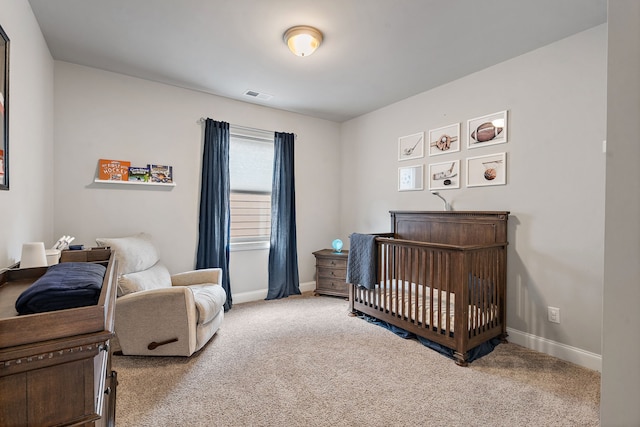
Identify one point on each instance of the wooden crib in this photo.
(441, 276)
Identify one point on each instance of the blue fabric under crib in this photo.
(473, 354)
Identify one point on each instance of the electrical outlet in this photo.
(554, 314)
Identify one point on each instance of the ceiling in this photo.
(374, 53)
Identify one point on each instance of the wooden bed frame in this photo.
(436, 266)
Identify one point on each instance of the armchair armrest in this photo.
(198, 277)
(157, 315)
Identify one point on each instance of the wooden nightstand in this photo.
(331, 273)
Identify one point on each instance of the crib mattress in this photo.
(424, 305)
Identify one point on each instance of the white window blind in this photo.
(250, 170)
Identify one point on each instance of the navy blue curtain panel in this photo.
(213, 238)
(283, 250)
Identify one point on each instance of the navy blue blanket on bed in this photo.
(64, 285)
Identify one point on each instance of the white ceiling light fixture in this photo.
(303, 40)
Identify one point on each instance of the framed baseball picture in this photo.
(487, 130)
(444, 140)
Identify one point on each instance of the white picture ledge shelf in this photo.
(157, 184)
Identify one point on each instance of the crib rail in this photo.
(453, 295)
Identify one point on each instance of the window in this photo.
(251, 174)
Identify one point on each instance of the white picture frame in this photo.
(411, 178)
(487, 170)
(487, 130)
(411, 146)
(445, 175)
(444, 140)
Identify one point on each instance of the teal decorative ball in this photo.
(337, 245)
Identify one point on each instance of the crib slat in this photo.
(399, 279)
(407, 282)
(477, 291)
(448, 290)
(423, 296)
(432, 280)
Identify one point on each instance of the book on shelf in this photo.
(161, 173)
(139, 173)
(113, 170)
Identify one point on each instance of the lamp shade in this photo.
(303, 40)
(33, 255)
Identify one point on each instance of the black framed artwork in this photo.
(4, 110)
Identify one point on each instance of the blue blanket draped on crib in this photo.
(361, 264)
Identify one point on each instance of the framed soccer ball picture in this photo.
(410, 178)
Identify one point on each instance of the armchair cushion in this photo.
(209, 301)
(156, 277)
(133, 253)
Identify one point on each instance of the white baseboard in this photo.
(261, 294)
(571, 354)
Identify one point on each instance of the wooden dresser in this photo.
(55, 367)
(331, 273)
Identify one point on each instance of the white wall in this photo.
(100, 114)
(620, 347)
(26, 209)
(556, 98)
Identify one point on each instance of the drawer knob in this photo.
(333, 263)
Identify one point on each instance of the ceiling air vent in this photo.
(258, 95)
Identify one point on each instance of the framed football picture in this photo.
(487, 130)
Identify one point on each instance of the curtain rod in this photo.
(202, 120)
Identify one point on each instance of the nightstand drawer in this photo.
(332, 262)
(339, 287)
(339, 274)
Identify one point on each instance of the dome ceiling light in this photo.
(303, 40)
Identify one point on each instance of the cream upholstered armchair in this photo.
(158, 314)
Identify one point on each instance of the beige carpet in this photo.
(302, 361)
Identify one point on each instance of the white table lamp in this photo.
(33, 255)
